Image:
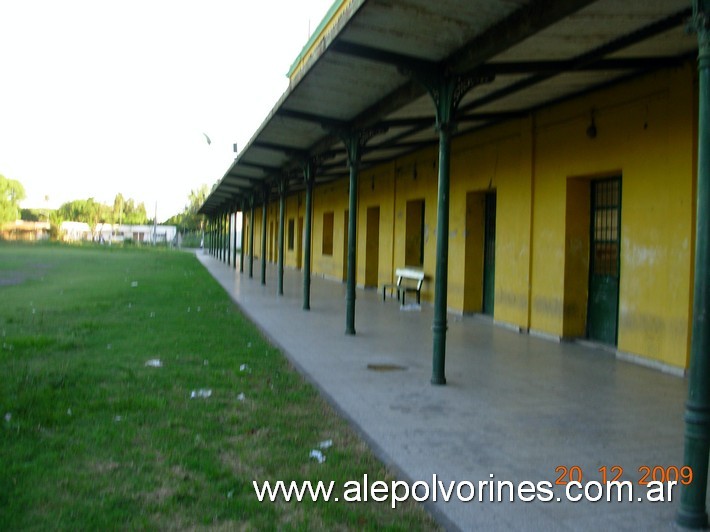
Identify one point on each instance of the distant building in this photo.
(148, 234)
(24, 230)
(74, 231)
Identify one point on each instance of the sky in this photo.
(101, 97)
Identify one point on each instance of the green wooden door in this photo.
(489, 254)
(603, 311)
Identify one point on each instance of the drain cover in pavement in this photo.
(385, 367)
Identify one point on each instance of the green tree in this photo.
(118, 209)
(134, 214)
(88, 211)
(11, 193)
(188, 219)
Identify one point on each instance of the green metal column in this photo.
(221, 236)
(447, 92)
(234, 241)
(692, 512)
(218, 237)
(213, 228)
(263, 234)
(241, 250)
(283, 189)
(353, 146)
(308, 172)
(442, 258)
(251, 237)
(208, 238)
(227, 239)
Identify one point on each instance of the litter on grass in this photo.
(241, 397)
(8, 417)
(315, 453)
(202, 393)
(244, 367)
(154, 363)
(325, 444)
(134, 284)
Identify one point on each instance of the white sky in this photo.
(99, 97)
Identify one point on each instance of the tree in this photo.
(134, 214)
(118, 205)
(88, 211)
(11, 193)
(188, 219)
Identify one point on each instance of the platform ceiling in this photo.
(531, 54)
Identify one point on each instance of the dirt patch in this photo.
(12, 278)
(15, 277)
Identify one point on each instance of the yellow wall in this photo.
(376, 189)
(644, 135)
(493, 160)
(295, 209)
(332, 197)
(541, 168)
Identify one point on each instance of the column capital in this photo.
(283, 183)
(699, 24)
(447, 89)
(355, 140)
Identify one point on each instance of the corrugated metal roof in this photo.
(537, 52)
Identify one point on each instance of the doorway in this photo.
(604, 265)
(489, 254)
(414, 234)
(372, 247)
(346, 221)
(299, 244)
(272, 241)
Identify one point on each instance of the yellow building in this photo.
(525, 190)
(537, 161)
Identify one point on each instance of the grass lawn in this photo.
(91, 437)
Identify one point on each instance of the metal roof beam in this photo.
(325, 121)
(520, 25)
(288, 150)
(591, 57)
(232, 175)
(264, 167)
(382, 56)
(555, 67)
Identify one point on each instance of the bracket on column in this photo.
(447, 90)
(355, 140)
(699, 23)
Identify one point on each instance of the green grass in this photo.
(92, 438)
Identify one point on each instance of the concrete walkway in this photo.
(515, 406)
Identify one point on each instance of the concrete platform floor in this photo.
(515, 406)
